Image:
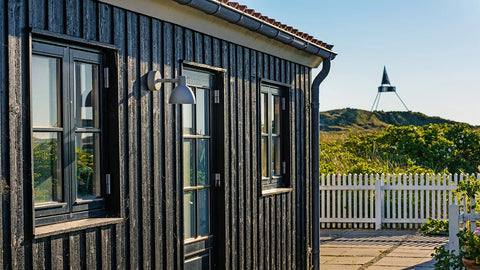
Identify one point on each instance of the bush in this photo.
(435, 148)
(435, 227)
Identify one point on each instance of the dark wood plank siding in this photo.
(119, 39)
(259, 232)
(17, 131)
(158, 150)
(4, 211)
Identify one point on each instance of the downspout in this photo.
(315, 116)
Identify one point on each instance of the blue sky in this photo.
(431, 49)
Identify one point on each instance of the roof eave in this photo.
(256, 24)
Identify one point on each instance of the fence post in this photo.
(378, 204)
(453, 214)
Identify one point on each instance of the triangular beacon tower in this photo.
(385, 87)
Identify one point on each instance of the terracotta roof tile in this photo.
(242, 8)
(233, 4)
(249, 11)
(290, 29)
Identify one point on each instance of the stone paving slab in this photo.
(382, 249)
(340, 267)
(346, 260)
(399, 261)
(342, 251)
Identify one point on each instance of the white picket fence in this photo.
(454, 221)
(385, 201)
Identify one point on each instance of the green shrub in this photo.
(435, 148)
(435, 227)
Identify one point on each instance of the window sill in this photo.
(75, 225)
(275, 191)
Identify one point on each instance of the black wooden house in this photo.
(98, 171)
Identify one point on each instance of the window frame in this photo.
(277, 183)
(195, 138)
(70, 207)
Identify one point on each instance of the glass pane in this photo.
(202, 112)
(263, 112)
(203, 212)
(202, 162)
(87, 147)
(188, 163)
(198, 78)
(47, 172)
(276, 114)
(276, 155)
(189, 214)
(187, 117)
(264, 157)
(86, 95)
(45, 91)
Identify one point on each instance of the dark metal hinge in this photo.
(216, 96)
(217, 180)
(108, 184)
(106, 80)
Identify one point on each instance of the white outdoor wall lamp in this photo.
(181, 94)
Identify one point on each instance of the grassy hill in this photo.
(343, 120)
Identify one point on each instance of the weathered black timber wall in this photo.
(272, 232)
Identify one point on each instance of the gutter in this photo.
(315, 116)
(235, 16)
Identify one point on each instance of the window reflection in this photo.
(87, 165)
(202, 111)
(47, 179)
(276, 155)
(263, 112)
(188, 163)
(189, 214)
(202, 162)
(203, 212)
(264, 157)
(86, 95)
(187, 117)
(276, 115)
(45, 91)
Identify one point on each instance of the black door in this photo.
(198, 172)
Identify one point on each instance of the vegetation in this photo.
(434, 148)
(435, 227)
(445, 259)
(344, 120)
(469, 241)
(46, 171)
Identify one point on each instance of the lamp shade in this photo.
(182, 94)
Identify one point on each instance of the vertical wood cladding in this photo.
(271, 232)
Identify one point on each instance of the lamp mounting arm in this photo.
(180, 94)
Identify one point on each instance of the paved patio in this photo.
(374, 250)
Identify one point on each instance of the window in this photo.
(66, 133)
(197, 140)
(274, 132)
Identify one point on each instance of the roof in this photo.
(252, 20)
(273, 22)
(245, 27)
